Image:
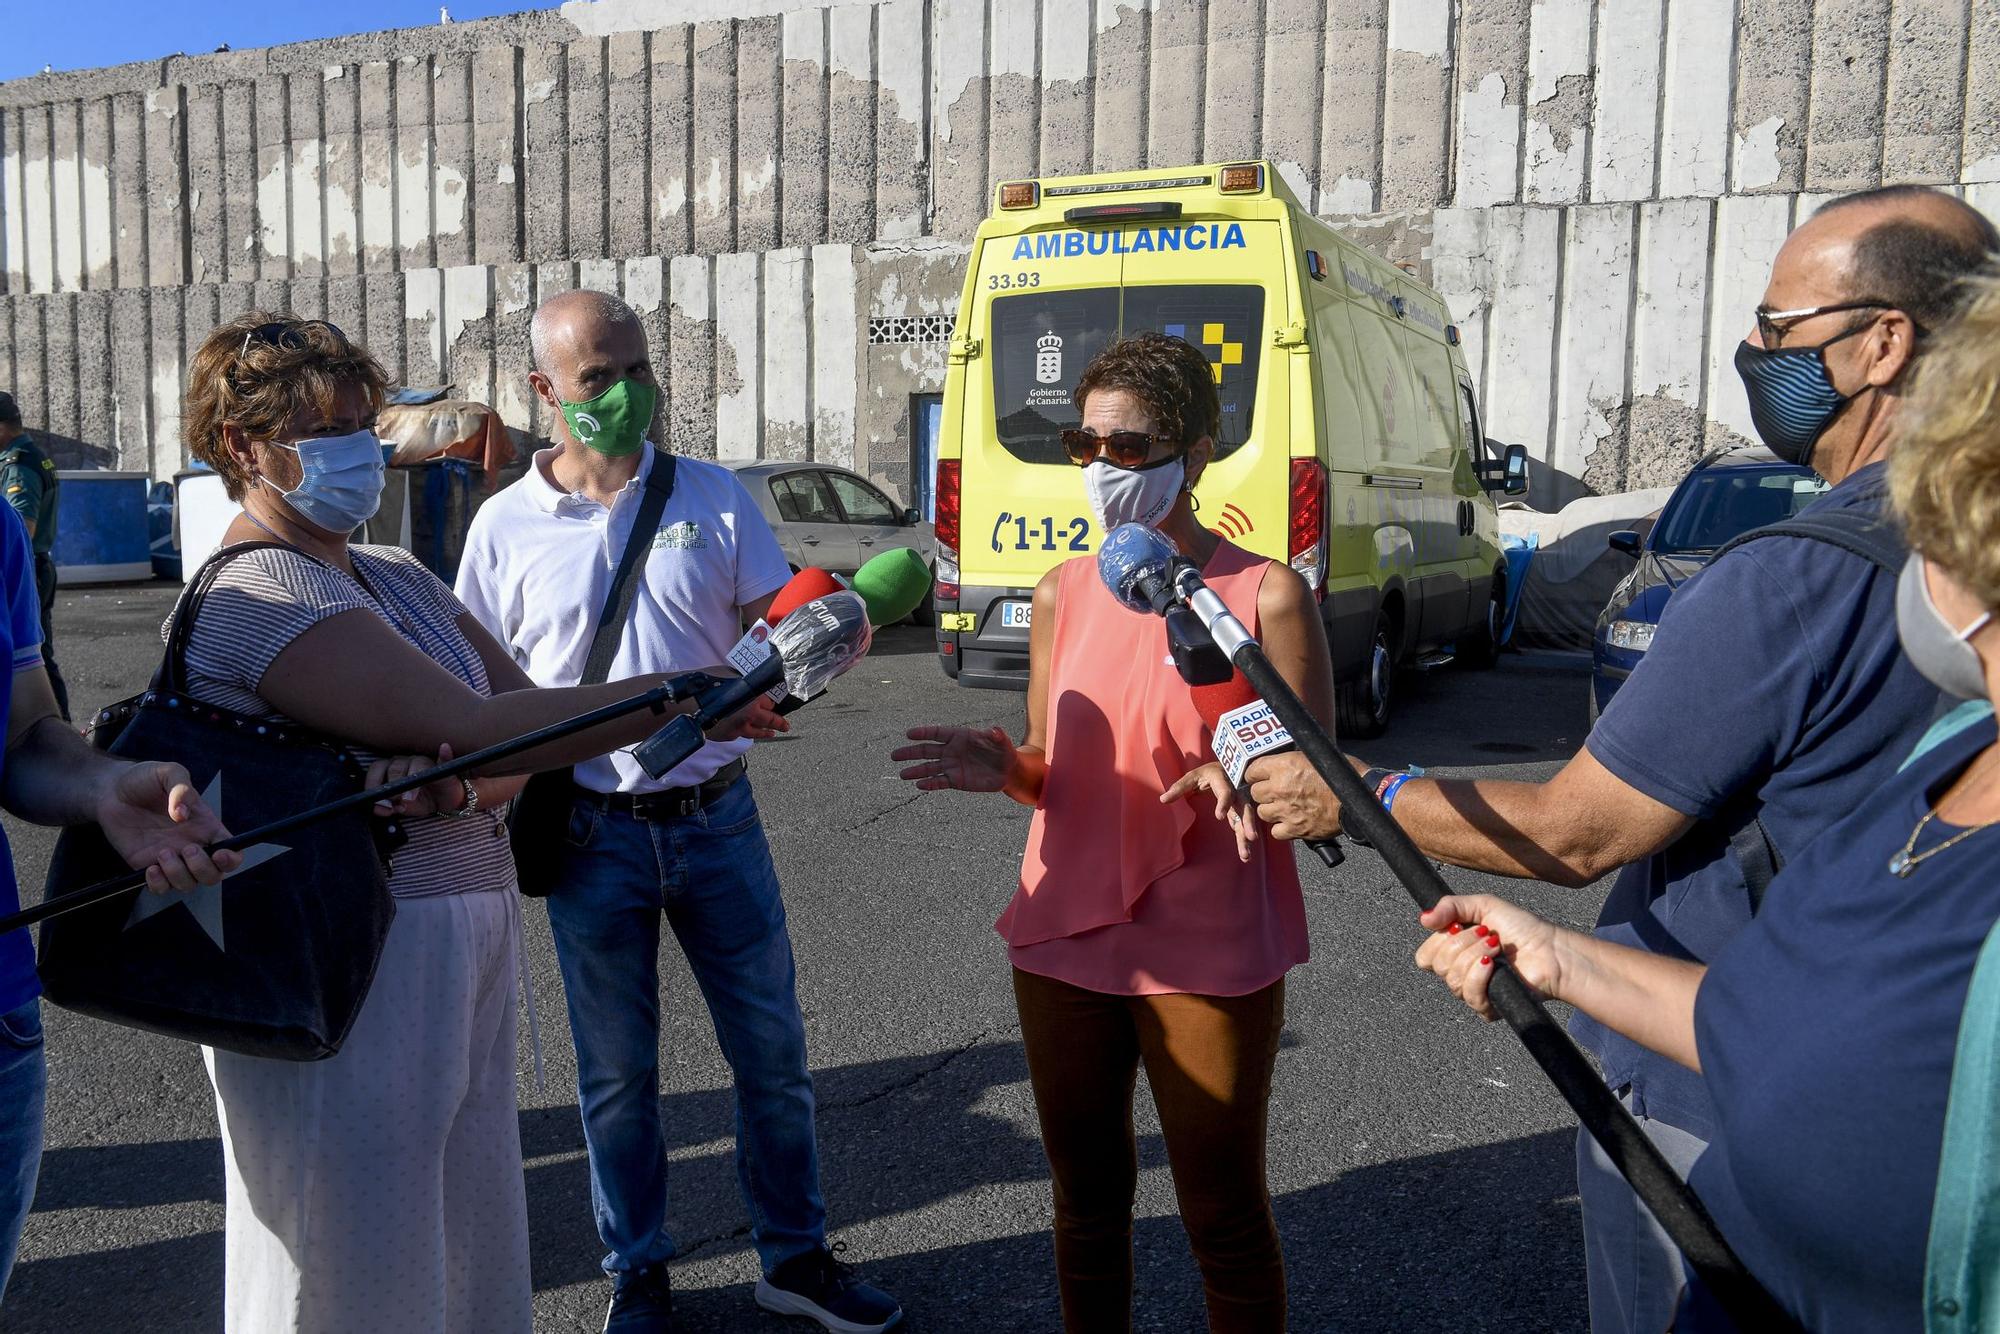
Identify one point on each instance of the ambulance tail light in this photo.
(945, 527)
(1241, 178)
(1306, 548)
(1020, 194)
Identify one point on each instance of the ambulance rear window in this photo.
(1042, 340)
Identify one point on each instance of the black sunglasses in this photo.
(286, 335)
(1124, 449)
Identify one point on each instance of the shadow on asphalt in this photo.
(1419, 1243)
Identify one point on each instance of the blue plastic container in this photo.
(101, 527)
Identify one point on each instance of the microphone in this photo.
(892, 584)
(816, 643)
(1243, 727)
(809, 583)
(1134, 564)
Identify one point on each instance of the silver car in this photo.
(833, 518)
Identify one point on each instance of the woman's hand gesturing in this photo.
(968, 759)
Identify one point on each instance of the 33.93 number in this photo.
(1000, 282)
(1038, 534)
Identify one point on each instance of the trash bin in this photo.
(101, 527)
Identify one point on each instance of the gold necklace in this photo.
(1909, 859)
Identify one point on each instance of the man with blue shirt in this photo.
(1773, 702)
(49, 775)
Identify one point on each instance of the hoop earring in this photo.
(1194, 501)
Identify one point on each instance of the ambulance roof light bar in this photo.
(1020, 194)
(1242, 178)
(1155, 209)
(1121, 187)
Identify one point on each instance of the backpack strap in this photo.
(618, 598)
(1865, 530)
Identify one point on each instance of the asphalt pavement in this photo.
(1420, 1163)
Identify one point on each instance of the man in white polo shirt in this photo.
(688, 846)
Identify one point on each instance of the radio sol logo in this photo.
(1244, 733)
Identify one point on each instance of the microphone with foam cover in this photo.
(893, 584)
(1134, 563)
(1244, 727)
(809, 583)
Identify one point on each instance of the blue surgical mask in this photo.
(1792, 398)
(1941, 652)
(341, 483)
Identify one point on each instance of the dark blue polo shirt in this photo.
(21, 628)
(1828, 1031)
(1776, 675)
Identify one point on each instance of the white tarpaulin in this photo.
(1574, 569)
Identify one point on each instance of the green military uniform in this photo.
(28, 478)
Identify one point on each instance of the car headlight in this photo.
(1637, 636)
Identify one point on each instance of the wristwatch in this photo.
(471, 806)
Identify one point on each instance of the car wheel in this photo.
(1480, 650)
(1361, 706)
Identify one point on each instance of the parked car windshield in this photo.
(1717, 504)
(1043, 340)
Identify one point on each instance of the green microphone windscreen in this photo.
(893, 585)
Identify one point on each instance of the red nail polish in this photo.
(1493, 941)
(1485, 961)
(1481, 928)
(1452, 929)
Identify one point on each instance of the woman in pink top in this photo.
(1144, 933)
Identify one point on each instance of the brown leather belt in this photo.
(675, 803)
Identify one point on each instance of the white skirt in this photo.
(381, 1189)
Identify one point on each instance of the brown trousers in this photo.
(1208, 1061)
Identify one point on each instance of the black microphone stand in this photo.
(1652, 1178)
(667, 692)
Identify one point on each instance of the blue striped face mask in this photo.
(1792, 398)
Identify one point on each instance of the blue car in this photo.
(1729, 492)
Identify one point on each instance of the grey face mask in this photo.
(1940, 653)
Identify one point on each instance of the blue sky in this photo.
(35, 33)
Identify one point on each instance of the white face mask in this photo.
(340, 482)
(1142, 495)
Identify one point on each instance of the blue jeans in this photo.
(711, 875)
(1634, 1270)
(24, 1080)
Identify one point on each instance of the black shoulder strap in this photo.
(1863, 530)
(172, 673)
(618, 598)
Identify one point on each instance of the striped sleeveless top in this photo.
(263, 600)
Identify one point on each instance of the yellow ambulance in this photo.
(1350, 444)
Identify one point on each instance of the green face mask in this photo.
(615, 422)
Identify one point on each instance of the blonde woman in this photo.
(1826, 1029)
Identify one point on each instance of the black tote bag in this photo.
(538, 824)
(277, 959)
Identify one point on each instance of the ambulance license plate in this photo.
(1016, 615)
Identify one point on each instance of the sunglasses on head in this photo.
(286, 335)
(1123, 449)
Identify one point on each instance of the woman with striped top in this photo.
(382, 1188)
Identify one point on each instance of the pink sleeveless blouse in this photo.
(1118, 893)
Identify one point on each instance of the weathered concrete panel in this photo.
(589, 176)
(13, 207)
(628, 134)
(496, 183)
(1462, 272)
(545, 116)
(672, 142)
(1981, 152)
(96, 410)
(306, 131)
(1526, 258)
(1233, 102)
(131, 379)
(1119, 90)
(1351, 135)
(836, 352)
(1590, 354)
(759, 112)
(903, 145)
(1013, 91)
(788, 367)
(467, 330)
(347, 304)
(1294, 47)
(1925, 99)
(163, 413)
(1416, 117)
(31, 343)
(386, 328)
(958, 117)
(414, 212)
(229, 240)
(453, 166)
(423, 323)
(167, 206)
(739, 360)
(1664, 430)
(1773, 74)
(1066, 88)
(1748, 231)
(1173, 102)
(341, 169)
(94, 166)
(513, 308)
(713, 182)
(1560, 95)
(1625, 120)
(1492, 77)
(691, 356)
(1850, 52)
(852, 95)
(1694, 98)
(66, 194)
(38, 202)
(803, 202)
(378, 151)
(601, 275)
(62, 415)
(271, 99)
(645, 283)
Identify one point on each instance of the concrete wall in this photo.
(1596, 186)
